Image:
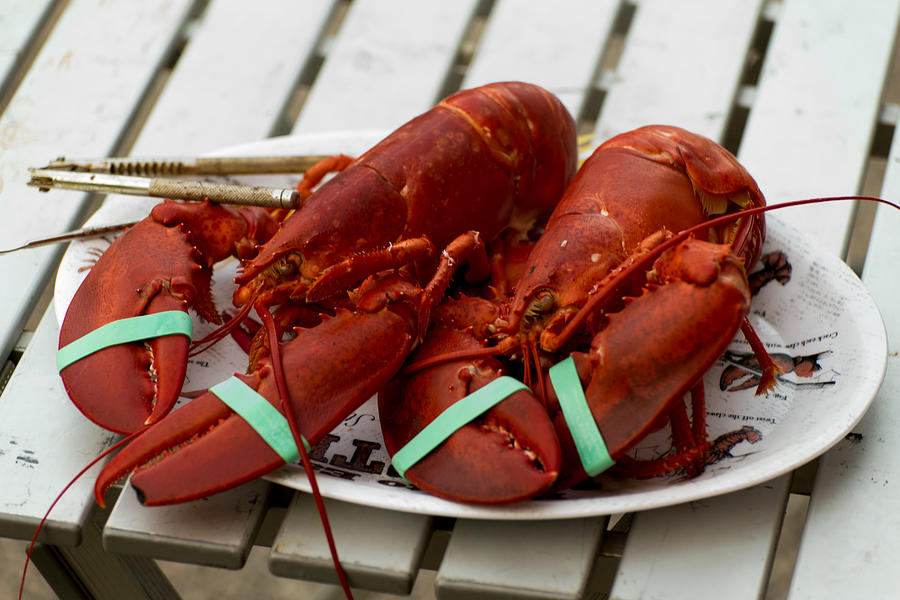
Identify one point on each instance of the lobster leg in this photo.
(349, 273)
(317, 172)
(698, 411)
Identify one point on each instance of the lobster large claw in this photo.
(506, 454)
(163, 263)
(205, 447)
(685, 320)
(121, 387)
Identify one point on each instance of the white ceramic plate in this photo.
(823, 319)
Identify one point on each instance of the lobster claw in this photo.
(163, 263)
(508, 453)
(205, 447)
(202, 448)
(687, 318)
(122, 387)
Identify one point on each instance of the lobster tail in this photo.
(528, 131)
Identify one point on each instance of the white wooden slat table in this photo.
(379, 549)
(669, 72)
(542, 44)
(725, 542)
(816, 108)
(503, 559)
(812, 115)
(21, 23)
(71, 77)
(235, 77)
(386, 66)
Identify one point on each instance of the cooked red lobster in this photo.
(372, 250)
(641, 325)
(370, 256)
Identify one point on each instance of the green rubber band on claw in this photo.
(131, 329)
(453, 418)
(264, 418)
(589, 442)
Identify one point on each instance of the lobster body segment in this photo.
(486, 159)
(634, 186)
(584, 281)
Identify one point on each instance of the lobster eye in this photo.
(544, 302)
(283, 267)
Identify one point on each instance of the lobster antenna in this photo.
(506, 346)
(539, 372)
(275, 352)
(431, 361)
(646, 259)
(219, 333)
(59, 496)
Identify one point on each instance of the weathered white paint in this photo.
(44, 442)
(697, 550)
(503, 559)
(385, 66)
(234, 77)
(540, 42)
(19, 21)
(852, 526)
(215, 531)
(73, 99)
